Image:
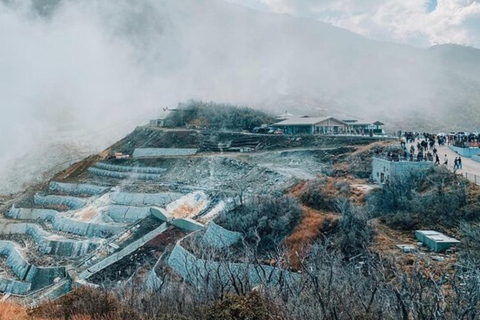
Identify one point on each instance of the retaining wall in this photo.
(161, 214)
(60, 247)
(126, 213)
(14, 286)
(217, 237)
(195, 270)
(187, 224)
(112, 167)
(124, 175)
(38, 277)
(65, 224)
(77, 188)
(72, 203)
(144, 199)
(162, 152)
(132, 247)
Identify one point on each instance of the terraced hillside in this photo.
(108, 220)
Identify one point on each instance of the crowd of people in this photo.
(423, 147)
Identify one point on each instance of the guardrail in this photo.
(402, 159)
(472, 177)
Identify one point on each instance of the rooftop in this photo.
(437, 236)
(306, 121)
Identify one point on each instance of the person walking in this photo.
(459, 163)
(455, 163)
(437, 159)
(445, 160)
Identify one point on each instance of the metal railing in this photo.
(472, 177)
(399, 158)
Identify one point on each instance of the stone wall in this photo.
(217, 237)
(14, 286)
(162, 152)
(46, 243)
(112, 167)
(37, 277)
(72, 203)
(126, 214)
(77, 188)
(144, 199)
(195, 270)
(64, 224)
(187, 224)
(124, 175)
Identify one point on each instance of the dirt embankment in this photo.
(211, 141)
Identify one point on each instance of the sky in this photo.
(81, 74)
(415, 22)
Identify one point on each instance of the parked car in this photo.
(264, 130)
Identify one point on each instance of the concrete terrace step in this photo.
(125, 175)
(144, 199)
(29, 275)
(72, 203)
(75, 189)
(49, 243)
(112, 167)
(65, 224)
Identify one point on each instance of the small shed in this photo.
(157, 122)
(436, 241)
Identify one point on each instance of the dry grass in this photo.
(10, 311)
(367, 149)
(312, 225)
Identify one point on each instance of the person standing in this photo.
(459, 163)
(445, 160)
(437, 159)
(455, 163)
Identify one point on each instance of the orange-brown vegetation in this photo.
(84, 304)
(313, 224)
(371, 148)
(10, 311)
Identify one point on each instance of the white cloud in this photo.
(405, 21)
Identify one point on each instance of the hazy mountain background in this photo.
(90, 70)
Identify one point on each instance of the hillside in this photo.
(216, 224)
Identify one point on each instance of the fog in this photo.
(76, 76)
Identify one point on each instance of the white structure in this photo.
(312, 125)
(384, 170)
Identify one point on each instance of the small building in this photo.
(157, 122)
(436, 241)
(312, 125)
(387, 169)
